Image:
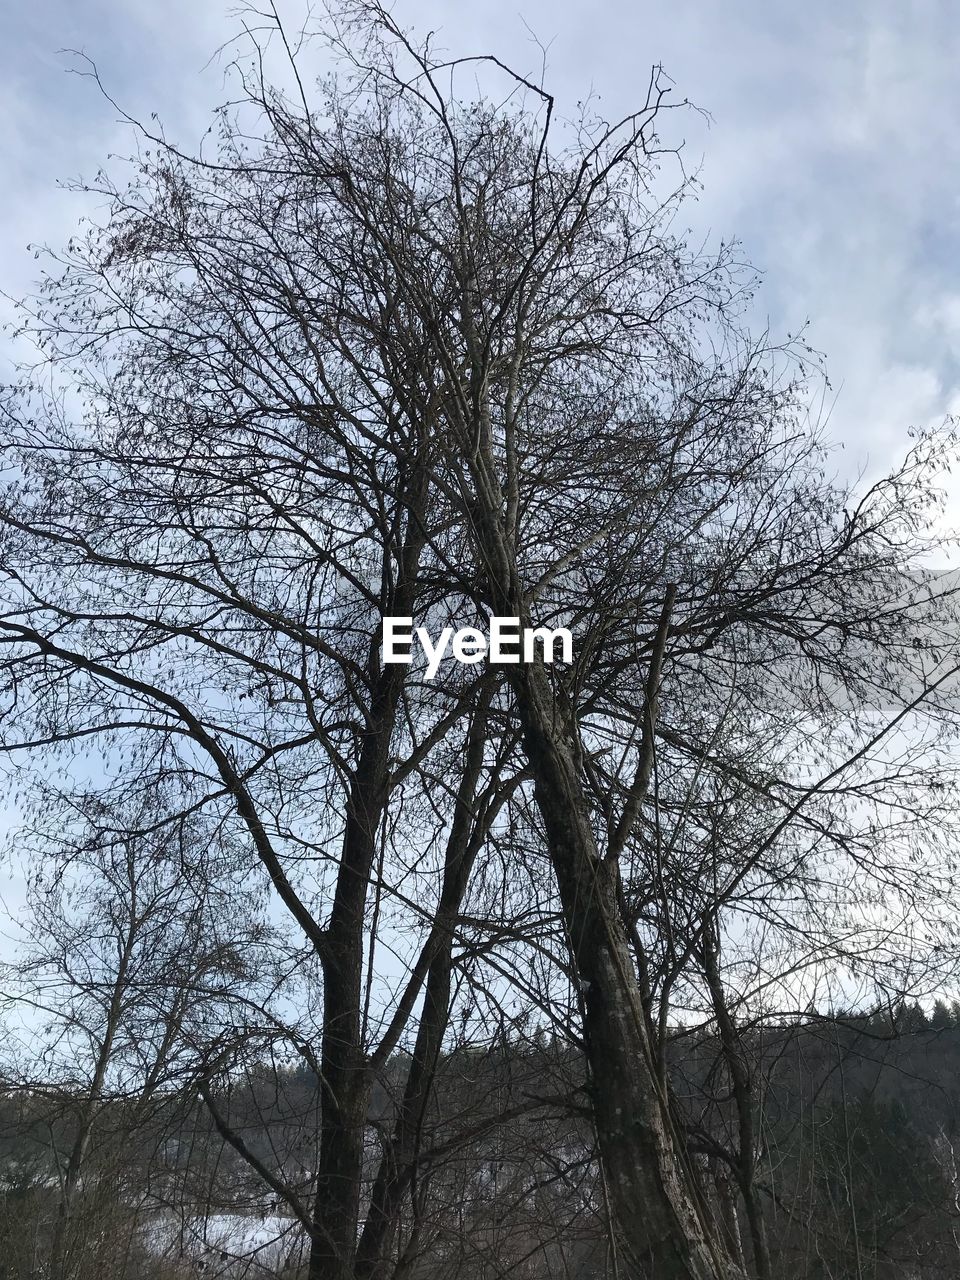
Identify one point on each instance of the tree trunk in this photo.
(345, 1086)
(726, 1193)
(663, 1223)
(742, 1083)
(60, 1241)
(664, 1230)
(398, 1162)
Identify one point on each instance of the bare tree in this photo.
(126, 957)
(409, 351)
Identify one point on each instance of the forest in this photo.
(859, 1172)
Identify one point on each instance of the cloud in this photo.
(832, 153)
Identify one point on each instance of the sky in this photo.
(832, 152)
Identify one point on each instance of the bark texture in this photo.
(653, 1195)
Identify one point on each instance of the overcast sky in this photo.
(832, 154)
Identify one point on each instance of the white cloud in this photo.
(832, 154)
